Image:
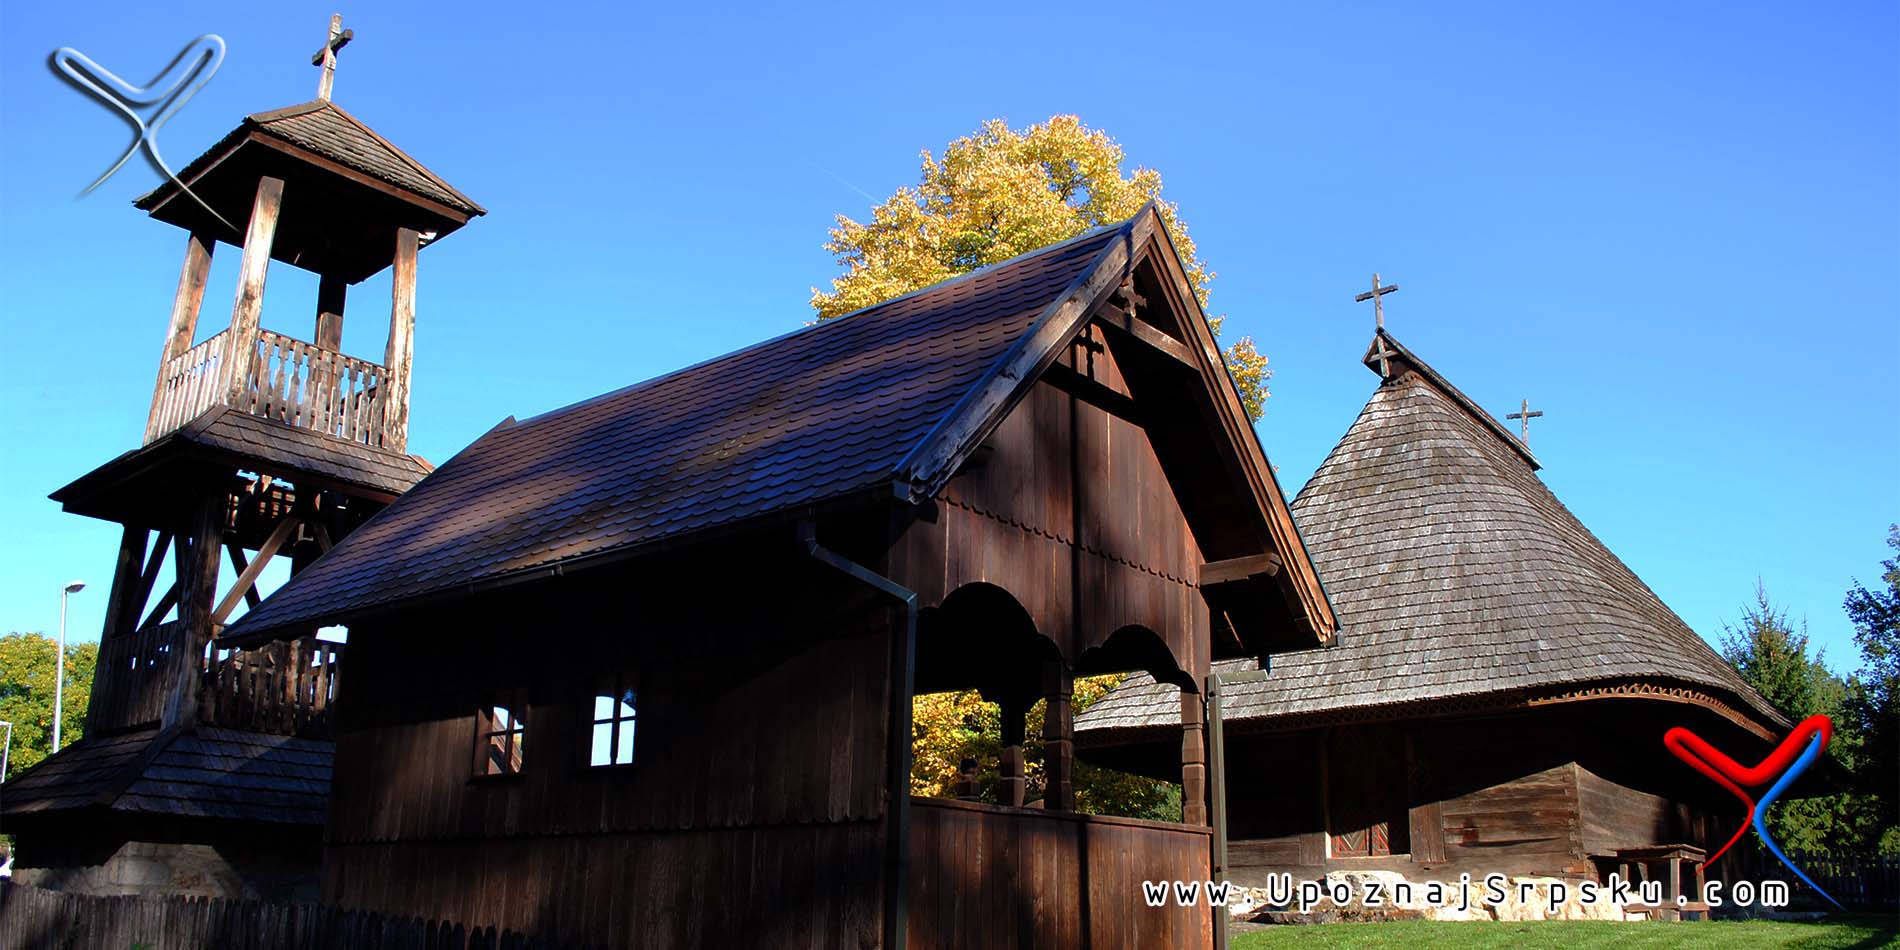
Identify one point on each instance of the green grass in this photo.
(1842, 932)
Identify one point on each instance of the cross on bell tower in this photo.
(326, 57)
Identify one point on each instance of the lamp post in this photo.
(59, 677)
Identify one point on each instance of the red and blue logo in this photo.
(1778, 771)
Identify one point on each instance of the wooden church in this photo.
(639, 671)
(205, 769)
(1501, 686)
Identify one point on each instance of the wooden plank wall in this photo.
(984, 876)
(758, 775)
(1011, 520)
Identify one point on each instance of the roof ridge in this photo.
(824, 323)
(1409, 360)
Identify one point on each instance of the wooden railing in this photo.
(188, 384)
(287, 380)
(282, 688)
(135, 675)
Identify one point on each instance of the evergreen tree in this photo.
(1869, 702)
(1772, 655)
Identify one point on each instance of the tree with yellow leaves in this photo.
(946, 728)
(999, 193)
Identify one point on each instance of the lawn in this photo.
(1858, 932)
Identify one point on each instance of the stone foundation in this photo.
(153, 869)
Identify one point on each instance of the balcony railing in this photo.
(290, 381)
(283, 688)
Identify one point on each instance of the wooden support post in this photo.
(401, 348)
(1009, 769)
(186, 304)
(1058, 737)
(197, 583)
(125, 598)
(241, 346)
(1193, 761)
(331, 292)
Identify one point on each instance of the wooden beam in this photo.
(197, 584)
(400, 351)
(249, 577)
(1239, 569)
(306, 156)
(125, 582)
(332, 292)
(1148, 336)
(1067, 379)
(241, 346)
(186, 304)
(240, 564)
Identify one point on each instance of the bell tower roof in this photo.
(356, 186)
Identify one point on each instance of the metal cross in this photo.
(326, 57)
(1524, 415)
(1378, 305)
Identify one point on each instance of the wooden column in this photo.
(124, 602)
(203, 550)
(1009, 770)
(1058, 737)
(1193, 761)
(401, 349)
(241, 345)
(331, 292)
(186, 304)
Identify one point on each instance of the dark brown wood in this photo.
(332, 293)
(1149, 336)
(197, 585)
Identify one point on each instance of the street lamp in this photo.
(59, 677)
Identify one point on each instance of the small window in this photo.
(500, 726)
(616, 705)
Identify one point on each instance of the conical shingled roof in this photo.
(1455, 573)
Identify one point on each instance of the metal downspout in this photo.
(903, 683)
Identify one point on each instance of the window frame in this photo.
(612, 686)
(514, 701)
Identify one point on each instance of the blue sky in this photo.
(1674, 227)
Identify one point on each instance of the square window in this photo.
(616, 705)
(501, 725)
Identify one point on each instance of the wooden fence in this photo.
(35, 919)
(293, 382)
(137, 672)
(1860, 881)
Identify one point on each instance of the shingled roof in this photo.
(824, 413)
(325, 128)
(1456, 574)
(206, 773)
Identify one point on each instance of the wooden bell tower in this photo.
(259, 444)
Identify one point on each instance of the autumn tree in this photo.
(946, 728)
(998, 193)
(27, 664)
